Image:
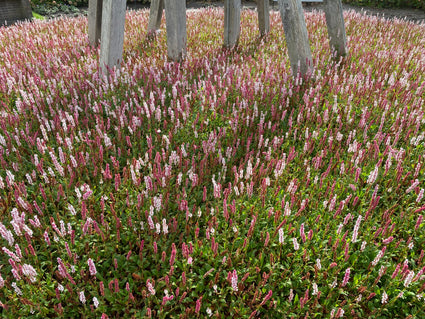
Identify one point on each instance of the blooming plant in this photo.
(218, 187)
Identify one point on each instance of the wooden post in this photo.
(112, 38)
(95, 21)
(295, 28)
(175, 15)
(336, 26)
(232, 23)
(155, 15)
(12, 11)
(263, 16)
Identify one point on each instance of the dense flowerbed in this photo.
(220, 187)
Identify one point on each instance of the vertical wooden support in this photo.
(155, 15)
(112, 38)
(263, 10)
(175, 15)
(336, 26)
(95, 21)
(12, 11)
(232, 22)
(295, 28)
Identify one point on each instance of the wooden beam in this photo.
(336, 26)
(155, 15)
(263, 10)
(295, 28)
(112, 38)
(232, 23)
(175, 16)
(95, 21)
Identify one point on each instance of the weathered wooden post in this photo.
(112, 38)
(232, 22)
(12, 11)
(336, 26)
(263, 16)
(295, 28)
(175, 15)
(95, 21)
(155, 15)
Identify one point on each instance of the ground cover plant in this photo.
(219, 187)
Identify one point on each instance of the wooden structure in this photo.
(12, 11)
(107, 19)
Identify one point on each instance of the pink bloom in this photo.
(234, 280)
(379, 256)
(346, 277)
(82, 297)
(92, 267)
(266, 242)
(102, 288)
(198, 305)
(173, 254)
(29, 272)
(267, 297)
(302, 233)
(418, 222)
(372, 176)
(150, 288)
(409, 278)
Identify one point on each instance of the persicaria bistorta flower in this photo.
(29, 272)
(18, 291)
(372, 176)
(150, 288)
(302, 234)
(82, 297)
(92, 267)
(413, 186)
(234, 280)
(356, 229)
(6, 234)
(267, 297)
(295, 242)
(420, 195)
(198, 305)
(384, 298)
(95, 302)
(318, 264)
(409, 278)
(281, 238)
(379, 256)
(315, 289)
(346, 277)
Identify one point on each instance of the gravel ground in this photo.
(414, 15)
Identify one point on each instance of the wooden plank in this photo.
(336, 26)
(155, 15)
(175, 17)
(263, 16)
(12, 11)
(112, 38)
(296, 35)
(232, 23)
(95, 21)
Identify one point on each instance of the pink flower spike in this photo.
(234, 280)
(267, 297)
(198, 305)
(346, 278)
(92, 267)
